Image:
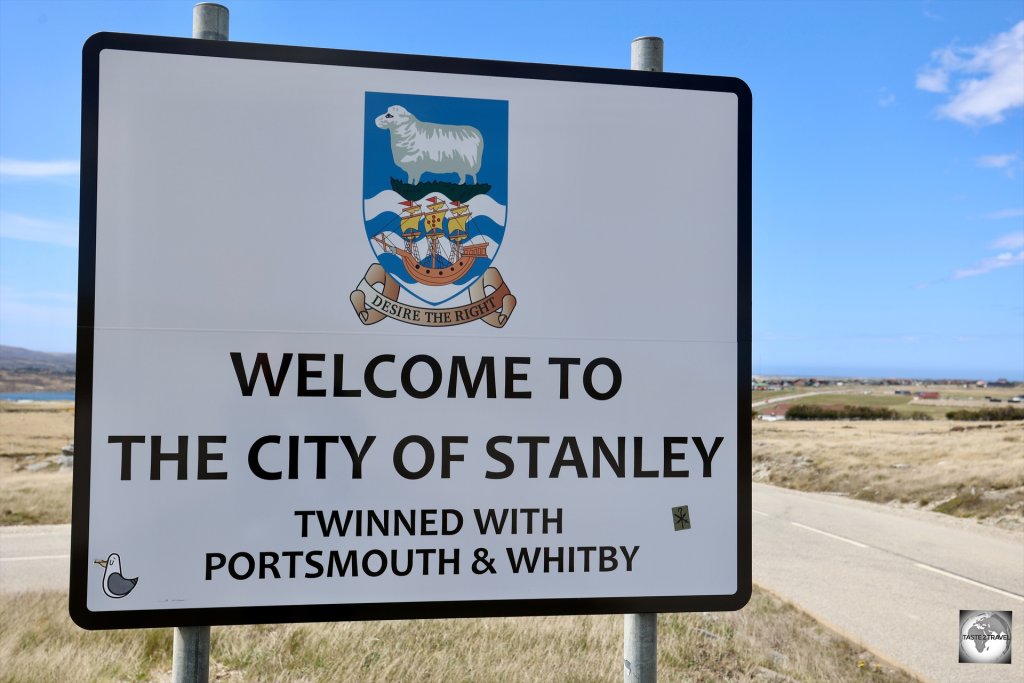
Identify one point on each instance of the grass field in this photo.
(878, 397)
(35, 429)
(769, 640)
(958, 468)
(34, 497)
(904, 405)
(964, 469)
(856, 399)
(950, 391)
(974, 393)
(30, 433)
(780, 393)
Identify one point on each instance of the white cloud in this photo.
(932, 80)
(886, 98)
(19, 168)
(26, 229)
(1004, 213)
(990, 78)
(985, 266)
(1011, 246)
(996, 160)
(1015, 240)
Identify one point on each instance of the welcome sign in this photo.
(369, 336)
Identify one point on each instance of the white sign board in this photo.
(371, 336)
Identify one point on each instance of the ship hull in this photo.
(437, 276)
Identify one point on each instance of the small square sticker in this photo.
(681, 517)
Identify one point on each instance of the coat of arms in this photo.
(435, 197)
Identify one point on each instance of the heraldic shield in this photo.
(435, 203)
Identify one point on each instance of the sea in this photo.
(39, 396)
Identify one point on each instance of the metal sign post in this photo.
(210, 21)
(640, 631)
(191, 658)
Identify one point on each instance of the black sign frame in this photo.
(80, 560)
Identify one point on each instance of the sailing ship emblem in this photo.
(443, 264)
(435, 196)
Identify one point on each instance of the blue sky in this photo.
(888, 153)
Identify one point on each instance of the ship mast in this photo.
(457, 233)
(434, 223)
(410, 220)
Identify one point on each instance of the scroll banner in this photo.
(373, 305)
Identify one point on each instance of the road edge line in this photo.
(970, 581)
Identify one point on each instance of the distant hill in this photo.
(13, 358)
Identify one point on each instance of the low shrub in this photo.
(987, 414)
(813, 412)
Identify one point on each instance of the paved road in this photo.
(34, 557)
(891, 580)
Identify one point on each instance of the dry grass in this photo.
(34, 497)
(936, 409)
(35, 429)
(31, 433)
(950, 396)
(768, 640)
(757, 396)
(964, 469)
(973, 393)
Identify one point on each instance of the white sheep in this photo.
(419, 147)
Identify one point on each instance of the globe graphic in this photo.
(985, 637)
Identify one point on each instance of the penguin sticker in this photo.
(115, 585)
